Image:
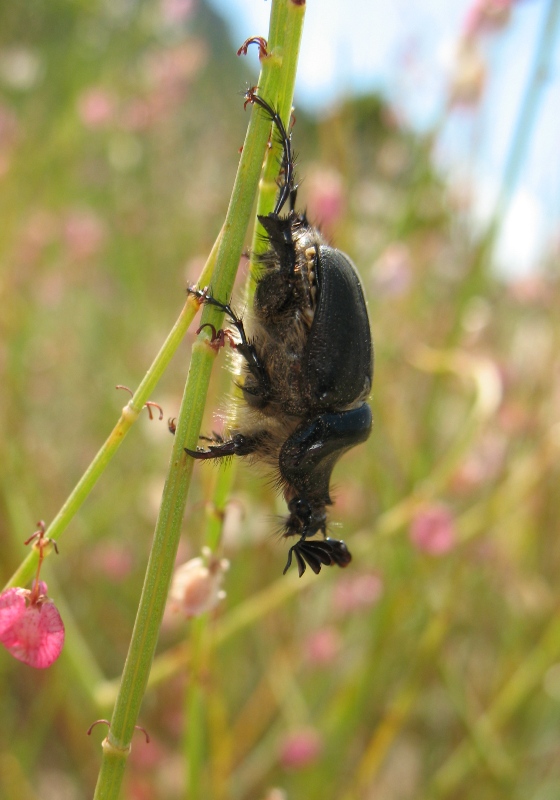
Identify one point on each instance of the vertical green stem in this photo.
(276, 85)
(160, 566)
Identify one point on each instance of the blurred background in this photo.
(427, 144)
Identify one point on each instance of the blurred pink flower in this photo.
(483, 463)
(432, 530)
(83, 233)
(169, 72)
(38, 231)
(392, 271)
(96, 107)
(113, 559)
(196, 585)
(531, 289)
(357, 592)
(138, 115)
(177, 10)
(31, 628)
(486, 15)
(323, 646)
(325, 198)
(300, 748)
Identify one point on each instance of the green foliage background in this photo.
(120, 125)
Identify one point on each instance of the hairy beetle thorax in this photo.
(284, 307)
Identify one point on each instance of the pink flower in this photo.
(433, 531)
(31, 628)
(115, 560)
(357, 592)
(83, 234)
(393, 269)
(300, 749)
(196, 585)
(325, 198)
(176, 11)
(96, 107)
(487, 14)
(323, 646)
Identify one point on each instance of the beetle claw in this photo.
(316, 553)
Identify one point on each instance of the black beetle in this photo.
(308, 368)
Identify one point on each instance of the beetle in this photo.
(307, 358)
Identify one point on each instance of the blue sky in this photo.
(403, 49)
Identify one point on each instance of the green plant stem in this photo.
(158, 575)
(129, 415)
(398, 708)
(525, 680)
(276, 85)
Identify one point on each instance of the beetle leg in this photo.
(295, 551)
(216, 438)
(340, 554)
(244, 348)
(238, 445)
(286, 185)
(318, 553)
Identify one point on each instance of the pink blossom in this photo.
(175, 11)
(196, 585)
(483, 463)
(139, 114)
(84, 234)
(115, 560)
(31, 628)
(432, 530)
(357, 592)
(487, 14)
(325, 198)
(171, 70)
(323, 646)
(39, 230)
(96, 107)
(300, 749)
(393, 269)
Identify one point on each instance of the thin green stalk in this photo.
(243, 616)
(399, 708)
(276, 85)
(159, 571)
(508, 701)
(129, 415)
